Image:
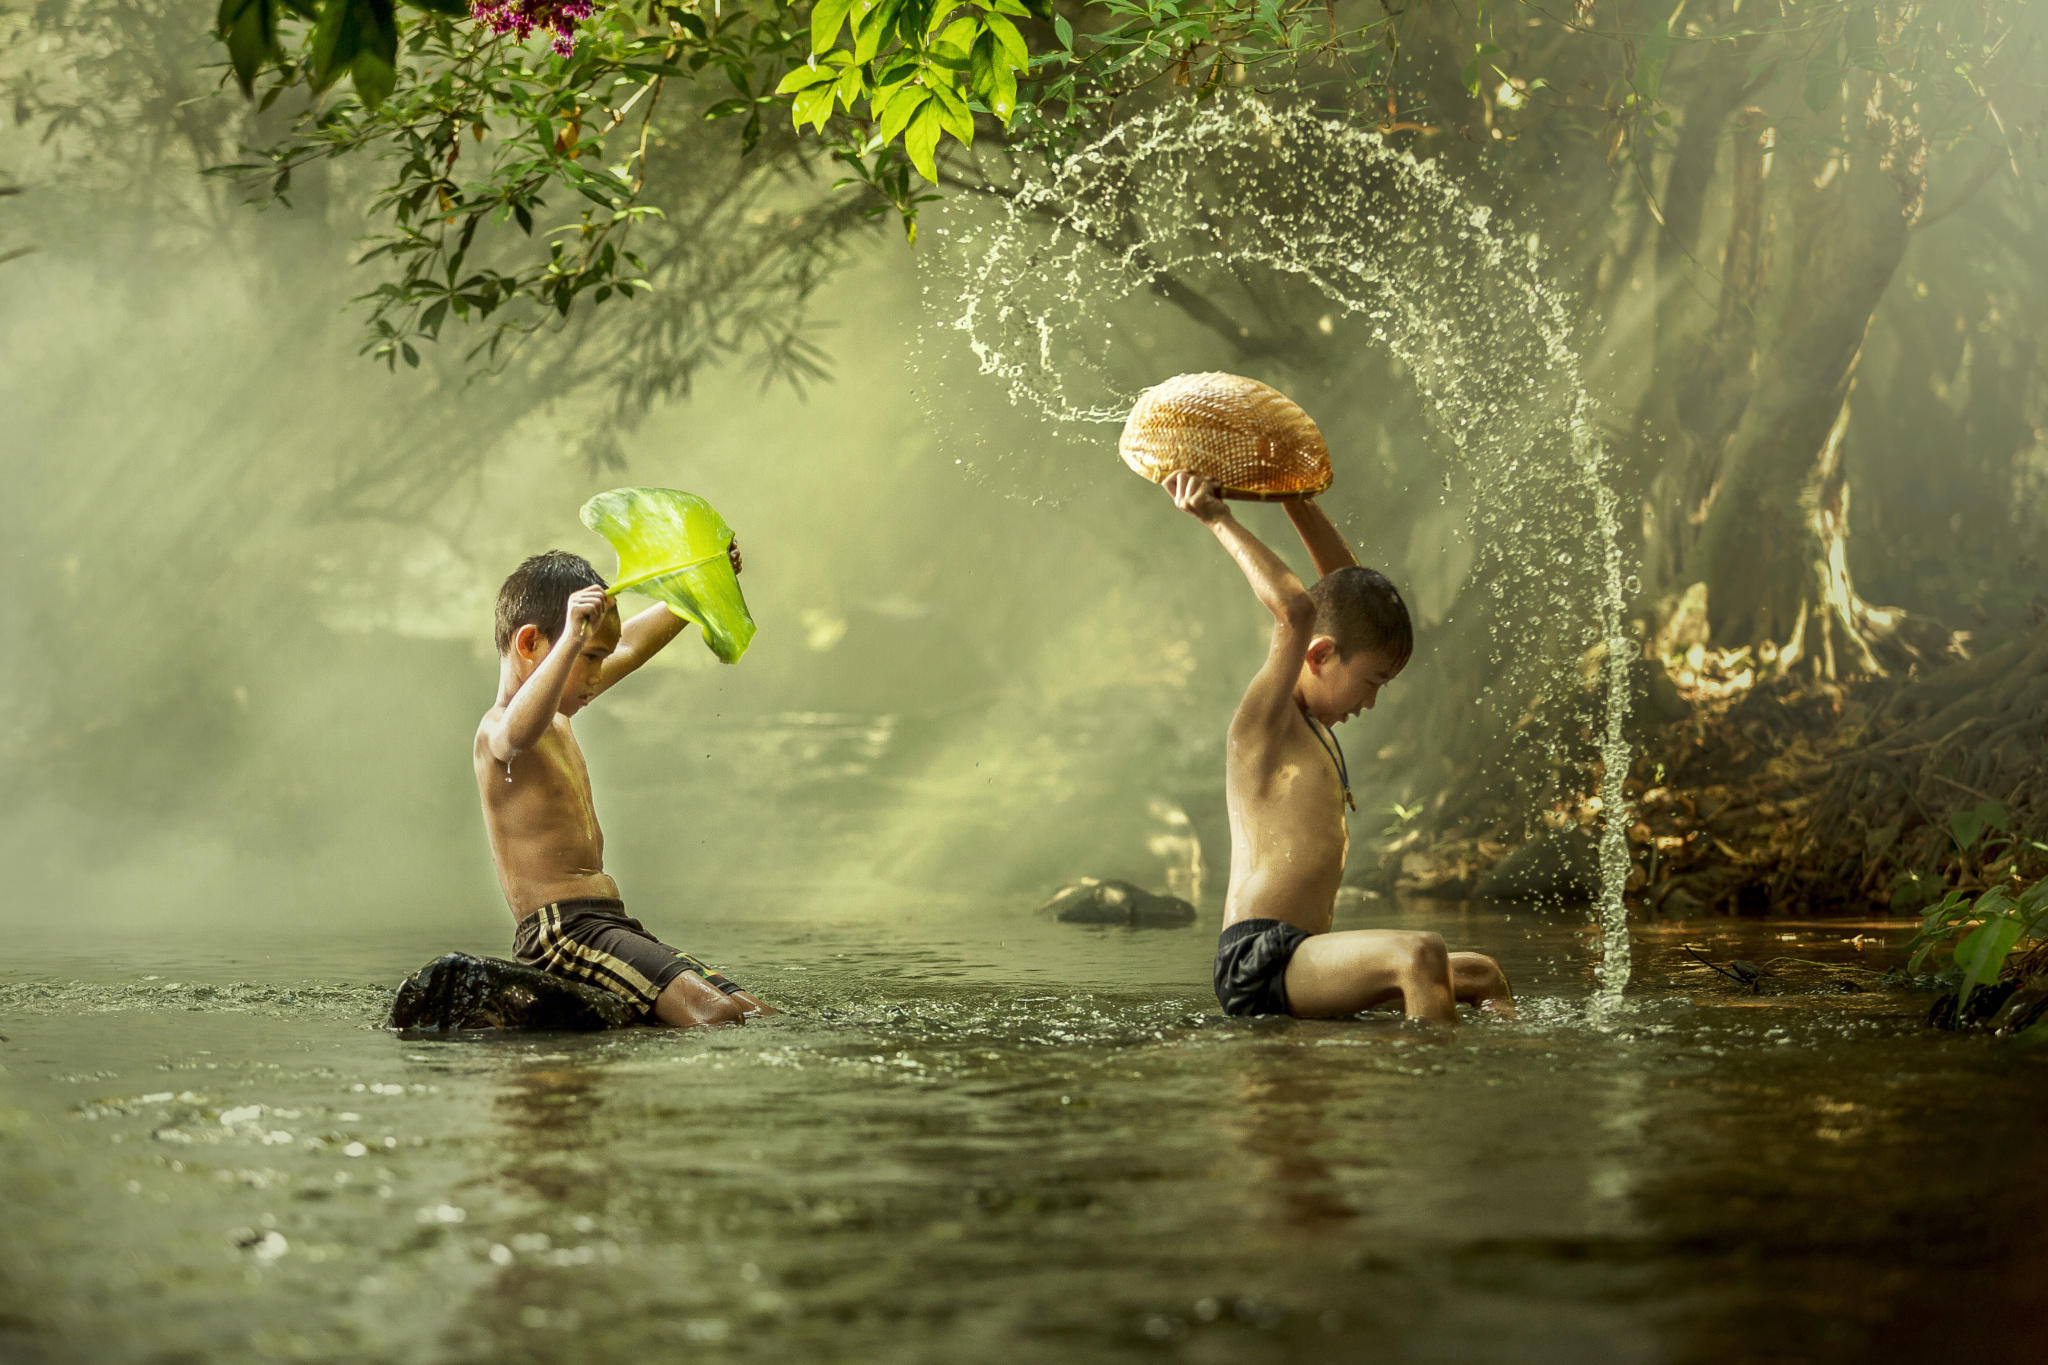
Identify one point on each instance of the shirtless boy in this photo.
(560, 644)
(1334, 647)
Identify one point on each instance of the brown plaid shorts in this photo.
(593, 940)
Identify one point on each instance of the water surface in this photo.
(978, 1135)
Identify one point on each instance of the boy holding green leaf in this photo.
(561, 644)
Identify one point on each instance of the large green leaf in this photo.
(361, 38)
(1983, 951)
(249, 28)
(672, 547)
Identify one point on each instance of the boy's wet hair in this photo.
(537, 594)
(1359, 608)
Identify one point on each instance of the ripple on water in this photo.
(47, 996)
(979, 1164)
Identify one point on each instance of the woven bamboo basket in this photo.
(1249, 437)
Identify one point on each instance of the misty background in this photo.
(250, 573)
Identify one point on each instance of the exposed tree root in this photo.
(1790, 793)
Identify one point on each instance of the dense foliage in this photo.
(534, 119)
(1968, 935)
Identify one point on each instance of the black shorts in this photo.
(1251, 965)
(592, 940)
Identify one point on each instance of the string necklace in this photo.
(1327, 737)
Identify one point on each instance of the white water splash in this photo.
(1241, 213)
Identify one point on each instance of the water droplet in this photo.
(1233, 194)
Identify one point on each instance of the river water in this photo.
(974, 1136)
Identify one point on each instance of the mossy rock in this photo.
(459, 993)
(2004, 1007)
(1092, 900)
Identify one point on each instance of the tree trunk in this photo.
(1706, 370)
(1772, 548)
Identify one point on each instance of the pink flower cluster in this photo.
(521, 17)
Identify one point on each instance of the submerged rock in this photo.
(2023, 1009)
(457, 991)
(1094, 901)
(2004, 1007)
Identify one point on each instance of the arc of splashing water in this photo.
(1049, 229)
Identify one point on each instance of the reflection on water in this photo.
(1024, 1139)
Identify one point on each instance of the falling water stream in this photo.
(1240, 201)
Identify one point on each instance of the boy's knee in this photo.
(1426, 952)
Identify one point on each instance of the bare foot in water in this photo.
(1477, 979)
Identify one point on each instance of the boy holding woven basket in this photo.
(1334, 647)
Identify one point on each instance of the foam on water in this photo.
(1272, 211)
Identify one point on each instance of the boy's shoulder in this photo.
(1257, 718)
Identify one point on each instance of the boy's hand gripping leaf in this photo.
(672, 547)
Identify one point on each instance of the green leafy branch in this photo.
(484, 136)
(1400, 817)
(358, 38)
(1968, 939)
(1969, 936)
(489, 142)
(924, 67)
(927, 69)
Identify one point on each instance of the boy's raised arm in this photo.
(1294, 614)
(532, 708)
(641, 638)
(1325, 543)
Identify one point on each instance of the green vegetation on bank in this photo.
(1969, 936)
